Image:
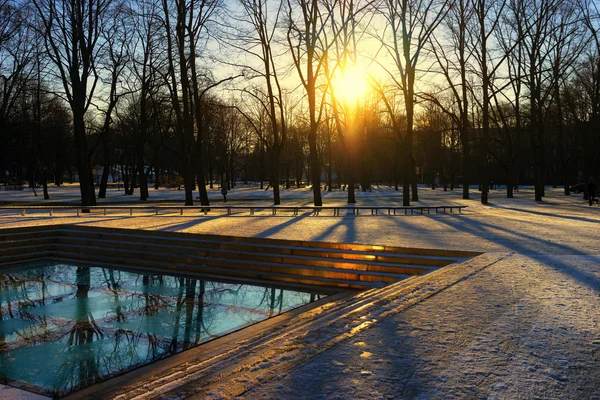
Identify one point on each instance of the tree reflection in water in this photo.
(63, 327)
(85, 331)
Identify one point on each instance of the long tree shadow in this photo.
(187, 224)
(519, 242)
(349, 223)
(279, 227)
(19, 220)
(519, 246)
(408, 224)
(574, 271)
(552, 215)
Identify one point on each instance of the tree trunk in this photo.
(509, 180)
(329, 164)
(350, 162)
(466, 168)
(287, 175)
(125, 176)
(274, 174)
(106, 167)
(396, 157)
(406, 182)
(464, 112)
(261, 163)
(275, 183)
(485, 112)
(156, 174)
(142, 173)
(84, 169)
(211, 177)
(200, 175)
(133, 174)
(315, 169)
(413, 184)
(188, 181)
(410, 161)
(562, 158)
(45, 188)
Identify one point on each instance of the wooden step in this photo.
(265, 267)
(280, 242)
(24, 257)
(248, 248)
(6, 244)
(294, 262)
(256, 257)
(158, 267)
(24, 235)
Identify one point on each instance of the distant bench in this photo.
(295, 210)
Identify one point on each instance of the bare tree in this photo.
(453, 61)
(570, 40)
(18, 54)
(409, 27)
(72, 32)
(306, 23)
(344, 33)
(508, 102)
(487, 15)
(256, 37)
(588, 79)
(533, 24)
(184, 37)
(114, 60)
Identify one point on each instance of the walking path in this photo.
(522, 321)
(524, 327)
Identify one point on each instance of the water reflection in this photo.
(63, 327)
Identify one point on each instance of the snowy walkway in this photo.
(526, 325)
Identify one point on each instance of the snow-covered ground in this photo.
(519, 322)
(524, 327)
(559, 225)
(246, 194)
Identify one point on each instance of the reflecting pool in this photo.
(63, 326)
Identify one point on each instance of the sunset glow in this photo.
(350, 85)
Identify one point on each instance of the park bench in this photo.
(251, 209)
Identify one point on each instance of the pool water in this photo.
(63, 326)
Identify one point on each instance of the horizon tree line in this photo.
(460, 92)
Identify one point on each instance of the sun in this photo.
(350, 85)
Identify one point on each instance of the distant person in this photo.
(591, 189)
(224, 192)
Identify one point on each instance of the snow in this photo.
(523, 327)
(520, 321)
(11, 393)
(559, 225)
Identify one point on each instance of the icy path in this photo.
(525, 327)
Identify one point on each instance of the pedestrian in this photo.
(224, 192)
(591, 189)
